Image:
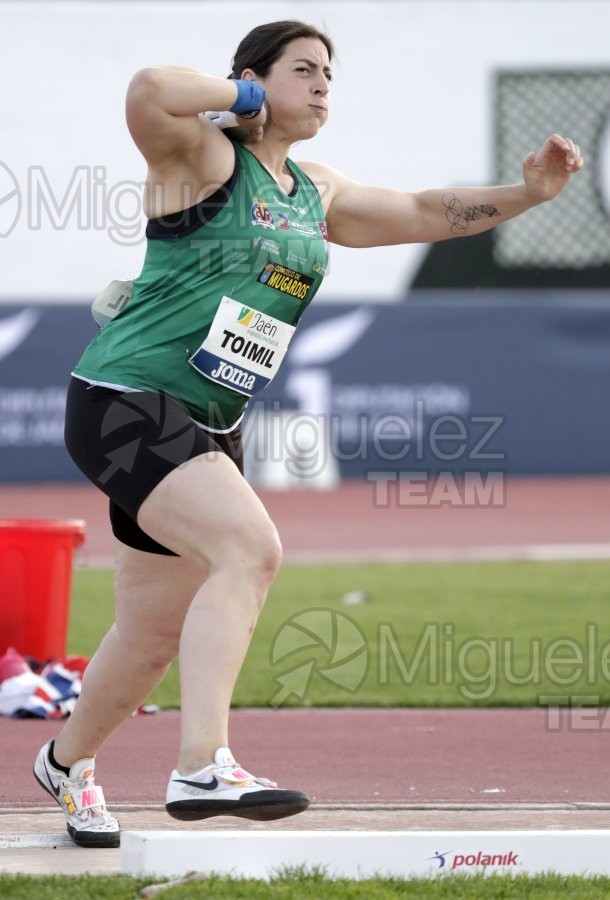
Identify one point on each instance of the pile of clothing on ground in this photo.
(44, 690)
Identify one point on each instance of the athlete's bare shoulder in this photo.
(327, 180)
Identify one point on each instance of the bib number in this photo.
(243, 349)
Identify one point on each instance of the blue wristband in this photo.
(250, 98)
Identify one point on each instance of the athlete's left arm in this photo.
(363, 216)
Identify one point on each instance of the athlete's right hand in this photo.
(254, 125)
(239, 128)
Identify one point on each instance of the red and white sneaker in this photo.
(88, 821)
(225, 789)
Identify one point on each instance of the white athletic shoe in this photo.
(224, 789)
(89, 823)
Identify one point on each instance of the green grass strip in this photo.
(451, 635)
(300, 886)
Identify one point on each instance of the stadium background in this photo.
(504, 336)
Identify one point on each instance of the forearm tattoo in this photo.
(460, 216)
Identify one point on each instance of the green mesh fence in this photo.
(572, 232)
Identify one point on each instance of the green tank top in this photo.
(222, 287)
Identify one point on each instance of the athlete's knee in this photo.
(259, 551)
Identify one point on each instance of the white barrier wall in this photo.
(364, 854)
(411, 109)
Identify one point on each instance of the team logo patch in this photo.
(287, 281)
(261, 215)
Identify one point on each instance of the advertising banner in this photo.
(512, 388)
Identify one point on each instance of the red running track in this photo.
(352, 522)
(390, 757)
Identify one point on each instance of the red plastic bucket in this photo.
(35, 584)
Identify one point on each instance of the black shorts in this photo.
(126, 442)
